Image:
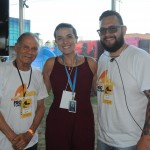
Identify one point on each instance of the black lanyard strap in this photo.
(24, 92)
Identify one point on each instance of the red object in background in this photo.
(95, 49)
(87, 48)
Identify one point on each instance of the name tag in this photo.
(26, 108)
(65, 99)
(72, 106)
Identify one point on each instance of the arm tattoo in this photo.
(146, 129)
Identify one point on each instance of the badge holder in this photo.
(72, 106)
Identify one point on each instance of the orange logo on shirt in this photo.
(19, 93)
(103, 78)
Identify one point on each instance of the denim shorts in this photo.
(103, 146)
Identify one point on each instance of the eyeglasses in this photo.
(111, 29)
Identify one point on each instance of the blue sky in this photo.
(83, 14)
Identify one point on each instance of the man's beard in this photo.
(117, 45)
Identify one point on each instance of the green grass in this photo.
(94, 100)
(41, 129)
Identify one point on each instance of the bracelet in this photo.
(31, 132)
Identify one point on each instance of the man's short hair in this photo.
(111, 13)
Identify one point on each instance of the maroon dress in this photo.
(66, 130)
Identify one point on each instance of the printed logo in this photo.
(103, 80)
(19, 94)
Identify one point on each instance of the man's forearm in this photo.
(4, 127)
(38, 115)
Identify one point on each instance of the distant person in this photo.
(70, 121)
(92, 52)
(22, 93)
(84, 49)
(123, 89)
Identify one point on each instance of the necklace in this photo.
(70, 66)
(71, 69)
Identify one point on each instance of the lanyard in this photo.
(72, 85)
(24, 92)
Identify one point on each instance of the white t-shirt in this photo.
(19, 116)
(120, 96)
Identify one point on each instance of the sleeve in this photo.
(2, 72)
(142, 70)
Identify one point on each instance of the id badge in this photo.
(66, 97)
(108, 88)
(72, 106)
(26, 108)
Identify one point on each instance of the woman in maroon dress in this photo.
(70, 121)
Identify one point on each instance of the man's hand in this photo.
(144, 143)
(21, 141)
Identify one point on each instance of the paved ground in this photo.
(41, 129)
